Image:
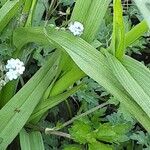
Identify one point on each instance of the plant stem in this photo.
(48, 131)
(49, 11)
(82, 115)
(55, 131)
(58, 133)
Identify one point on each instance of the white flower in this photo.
(76, 28)
(11, 75)
(14, 68)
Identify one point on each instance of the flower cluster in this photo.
(14, 68)
(76, 28)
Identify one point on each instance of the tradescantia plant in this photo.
(125, 78)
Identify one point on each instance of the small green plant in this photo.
(70, 52)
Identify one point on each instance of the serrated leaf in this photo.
(113, 133)
(81, 132)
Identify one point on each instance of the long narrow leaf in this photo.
(130, 84)
(135, 33)
(51, 102)
(31, 141)
(16, 112)
(80, 10)
(7, 12)
(144, 7)
(118, 38)
(92, 62)
(139, 72)
(94, 19)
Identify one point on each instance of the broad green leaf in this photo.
(7, 92)
(7, 12)
(16, 112)
(80, 10)
(91, 61)
(83, 12)
(139, 72)
(144, 7)
(31, 141)
(118, 37)
(129, 83)
(94, 19)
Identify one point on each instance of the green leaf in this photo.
(113, 133)
(129, 83)
(83, 12)
(91, 61)
(94, 19)
(135, 33)
(73, 147)
(80, 10)
(99, 146)
(31, 141)
(7, 12)
(141, 138)
(45, 105)
(144, 7)
(39, 11)
(16, 112)
(139, 72)
(118, 37)
(81, 132)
